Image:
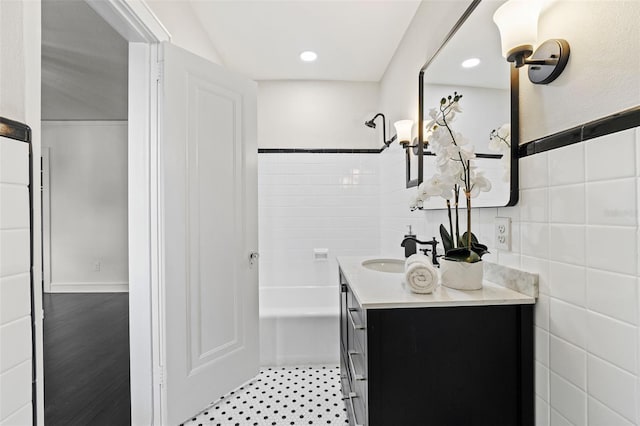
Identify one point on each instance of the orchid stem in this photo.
(457, 190)
(468, 219)
(450, 221)
(468, 194)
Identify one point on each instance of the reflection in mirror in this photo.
(471, 64)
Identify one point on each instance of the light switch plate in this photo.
(503, 233)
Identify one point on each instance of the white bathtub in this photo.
(299, 325)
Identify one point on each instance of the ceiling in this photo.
(85, 61)
(84, 64)
(355, 40)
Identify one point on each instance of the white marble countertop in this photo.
(380, 290)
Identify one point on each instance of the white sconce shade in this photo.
(517, 21)
(427, 133)
(403, 130)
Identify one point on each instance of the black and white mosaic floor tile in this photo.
(280, 396)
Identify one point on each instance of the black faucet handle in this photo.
(425, 251)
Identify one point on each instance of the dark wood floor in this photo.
(86, 359)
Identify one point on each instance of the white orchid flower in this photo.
(415, 202)
(505, 131)
(467, 153)
(479, 184)
(450, 112)
(441, 136)
(452, 169)
(423, 192)
(500, 139)
(494, 144)
(439, 185)
(460, 139)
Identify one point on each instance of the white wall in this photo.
(317, 114)
(576, 224)
(483, 109)
(399, 85)
(314, 201)
(399, 99)
(579, 221)
(83, 77)
(88, 205)
(600, 78)
(20, 100)
(185, 28)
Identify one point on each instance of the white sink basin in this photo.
(395, 266)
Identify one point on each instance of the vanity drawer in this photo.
(357, 324)
(356, 409)
(345, 375)
(356, 363)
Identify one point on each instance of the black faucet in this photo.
(410, 247)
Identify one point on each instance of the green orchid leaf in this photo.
(465, 238)
(462, 254)
(479, 249)
(447, 241)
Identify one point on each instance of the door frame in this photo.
(144, 31)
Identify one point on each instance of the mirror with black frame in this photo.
(470, 64)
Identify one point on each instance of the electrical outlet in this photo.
(503, 233)
(96, 266)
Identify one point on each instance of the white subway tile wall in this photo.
(577, 226)
(15, 288)
(395, 216)
(310, 201)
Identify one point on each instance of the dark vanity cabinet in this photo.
(440, 366)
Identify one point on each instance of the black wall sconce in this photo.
(517, 21)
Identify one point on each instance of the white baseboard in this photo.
(94, 287)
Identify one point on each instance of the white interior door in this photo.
(208, 198)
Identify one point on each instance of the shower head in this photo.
(371, 123)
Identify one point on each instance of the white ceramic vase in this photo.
(461, 275)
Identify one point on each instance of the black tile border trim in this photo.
(15, 130)
(344, 151)
(318, 151)
(478, 155)
(613, 123)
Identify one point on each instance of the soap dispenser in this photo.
(410, 233)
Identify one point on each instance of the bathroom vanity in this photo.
(448, 358)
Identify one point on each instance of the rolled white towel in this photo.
(418, 257)
(421, 276)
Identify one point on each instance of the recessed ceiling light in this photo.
(470, 63)
(308, 56)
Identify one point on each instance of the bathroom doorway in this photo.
(162, 365)
(85, 217)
